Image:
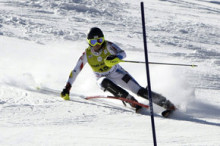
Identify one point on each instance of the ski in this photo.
(119, 98)
(45, 90)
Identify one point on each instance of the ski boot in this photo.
(159, 100)
(169, 108)
(168, 105)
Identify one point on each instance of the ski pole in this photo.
(159, 63)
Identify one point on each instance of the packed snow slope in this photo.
(41, 40)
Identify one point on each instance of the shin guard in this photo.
(156, 98)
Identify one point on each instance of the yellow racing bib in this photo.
(97, 61)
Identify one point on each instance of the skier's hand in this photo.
(66, 91)
(111, 57)
(112, 60)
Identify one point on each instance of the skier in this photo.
(103, 57)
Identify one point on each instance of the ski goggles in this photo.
(94, 42)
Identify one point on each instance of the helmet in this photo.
(94, 33)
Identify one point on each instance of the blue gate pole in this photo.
(148, 75)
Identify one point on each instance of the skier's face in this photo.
(97, 47)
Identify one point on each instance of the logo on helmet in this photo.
(95, 37)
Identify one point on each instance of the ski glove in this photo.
(66, 91)
(112, 60)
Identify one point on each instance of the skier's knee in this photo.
(113, 88)
(126, 78)
(105, 83)
(143, 93)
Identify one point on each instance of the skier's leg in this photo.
(113, 88)
(157, 99)
(117, 91)
(125, 80)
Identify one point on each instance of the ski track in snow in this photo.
(41, 41)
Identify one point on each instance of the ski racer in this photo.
(103, 57)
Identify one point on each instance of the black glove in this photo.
(111, 57)
(66, 90)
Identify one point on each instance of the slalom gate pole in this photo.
(148, 75)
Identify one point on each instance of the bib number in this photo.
(105, 68)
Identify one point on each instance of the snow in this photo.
(40, 42)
